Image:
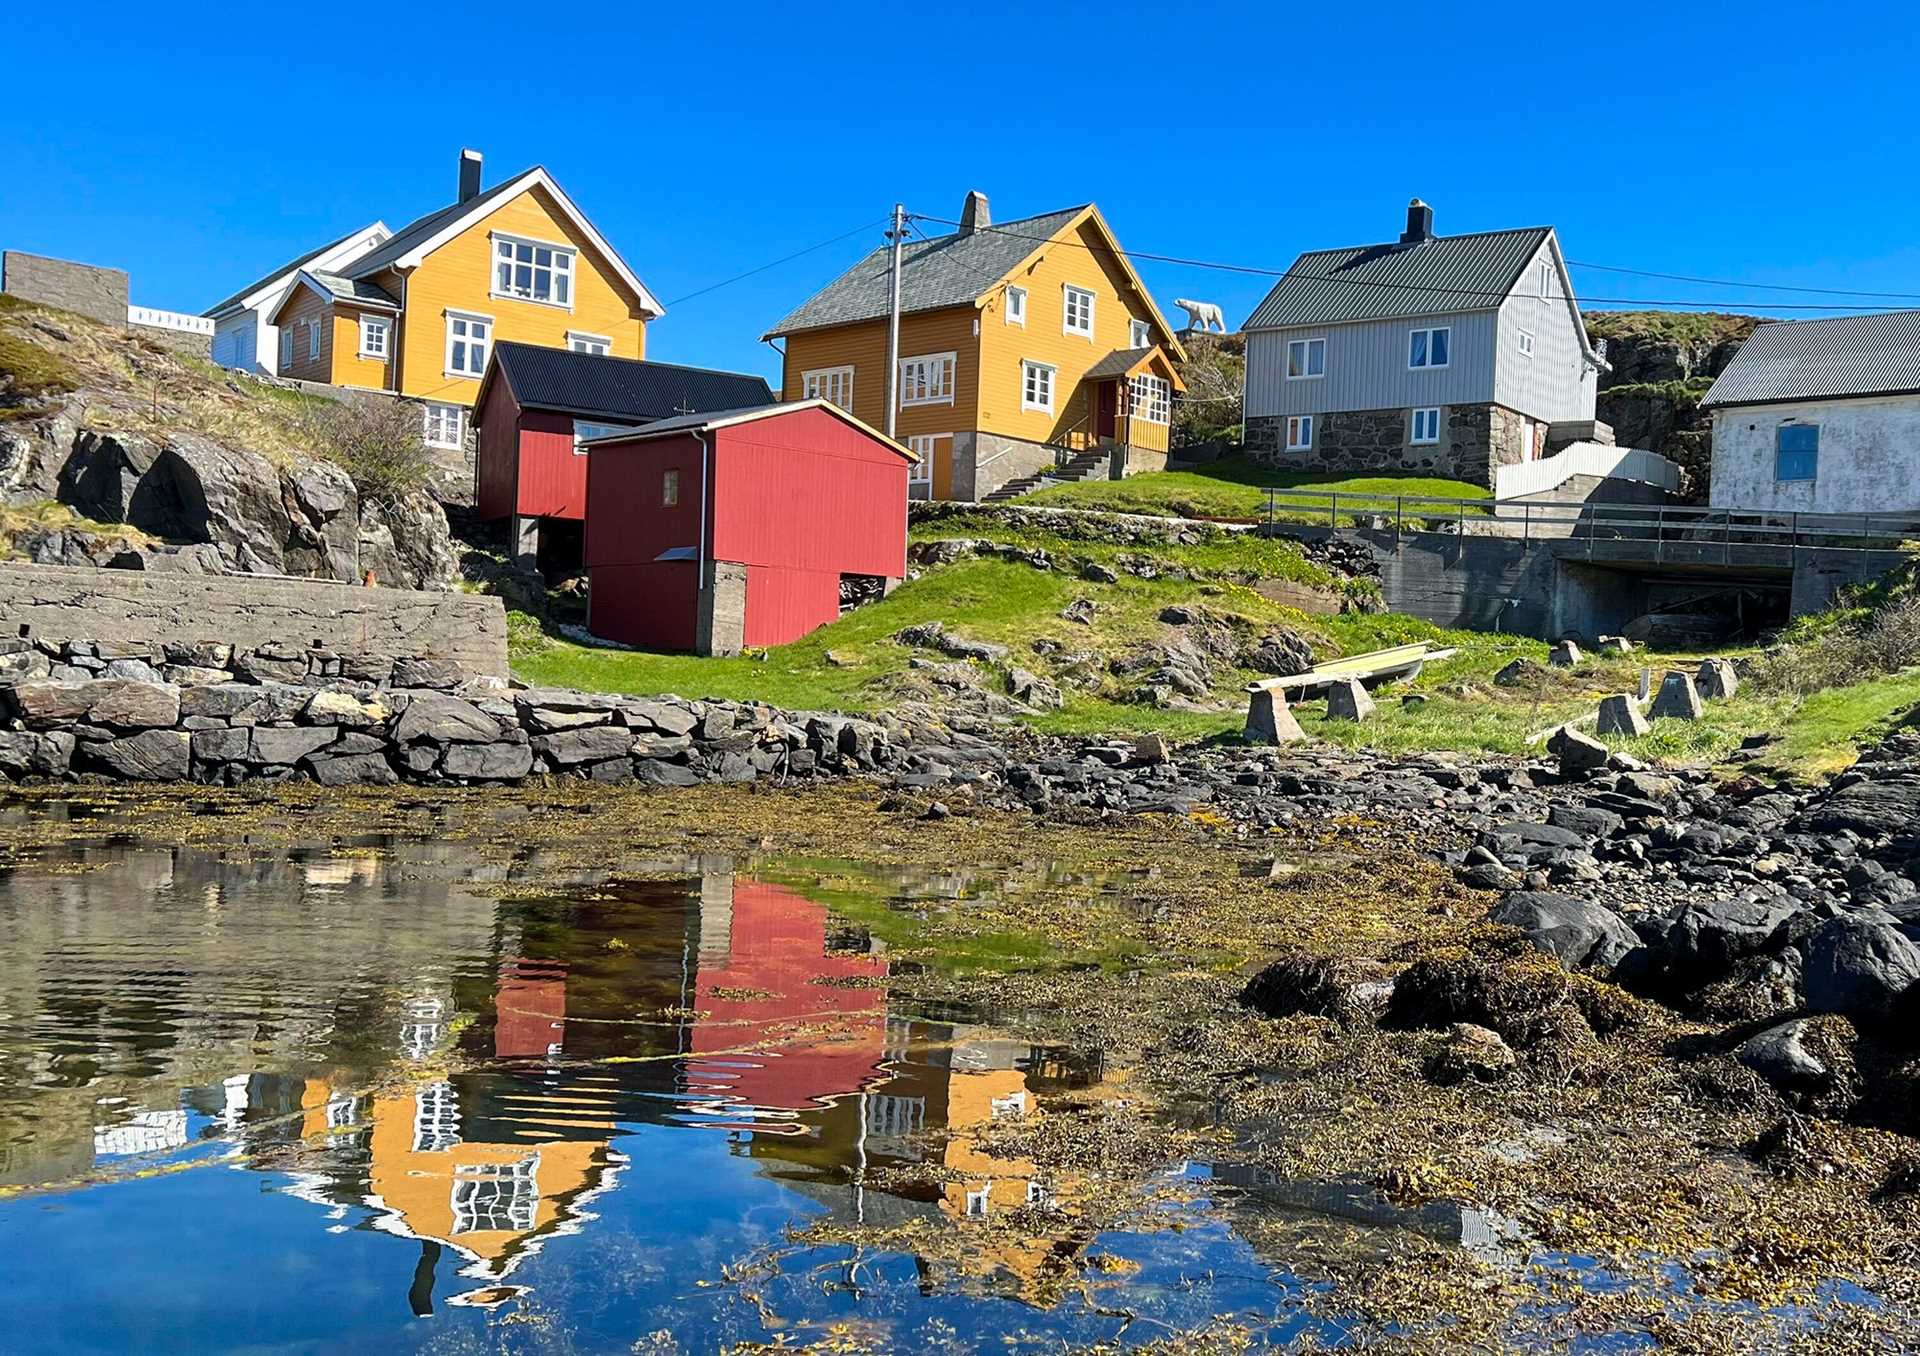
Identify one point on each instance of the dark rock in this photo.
(364, 769)
(1809, 1061)
(1524, 999)
(665, 717)
(26, 753)
(434, 673)
(653, 772)
(279, 747)
(150, 756)
(1574, 931)
(594, 744)
(221, 745)
(440, 718)
(1301, 982)
(1706, 938)
(1858, 967)
(1591, 821)
(487, 762)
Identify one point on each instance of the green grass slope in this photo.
(1235, 488)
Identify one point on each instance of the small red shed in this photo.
(720, 531)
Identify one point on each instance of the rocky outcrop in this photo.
(204, 506)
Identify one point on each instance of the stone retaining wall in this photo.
(181, 715)
(127, 608)
(85, 289)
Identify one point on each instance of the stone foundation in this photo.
(983, 462)
(1475, 440)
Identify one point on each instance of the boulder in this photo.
(1620, 715)
(1033, 690)
(133, 704)
(278, 747)
(652, 772)
(487, 762)
(594, 744)
(1574, 931)
(1677, 698)
(342, 709)
(150, 756)
(360, 769)
(404, 543)
(1280, 653)
(1525, 999)
(1588, 820)
(223, 744)
(434, 673)
(1348, 700)
(1859, 967)
(27, 753)
(1564, 655)
(1270, 720)
(666, 717)
(1706, 938)
(1716, 680)
(1808, 1061)
(1579, 754)
(1470, 1052)
(441, 718)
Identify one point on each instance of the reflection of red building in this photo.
(767, 984)
(530, 1009)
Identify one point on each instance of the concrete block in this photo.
(1620, 715)
(1564, 655)
(1677, 698)
(1270, 720)
(1348, 700)
(1716, 679)
(1614, 645)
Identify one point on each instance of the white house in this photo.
(1821, 416)
(243, 335)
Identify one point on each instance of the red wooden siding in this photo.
(784, 605)
(496, 466)
(808, 491)
(553, 478)
(629, 524)
(655, 606)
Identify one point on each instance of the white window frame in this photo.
(980, 1201)
(1139, 334)
(822, 382)
(1029, 370)
(1068, 293)
(1300, 433)
(585, 430)
(930, 374)
(313, 341)
(1150, 398)
(486, 343)
(554, 268)
(1431, 415)
(1306, 347)
(371, 325)
(435, 415)
(1524, 340)
(925, 446)
(598, 345)
(1546, 279)
(1016, 308)
(1429, 364)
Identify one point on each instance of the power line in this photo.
(1731, 282)
(783, 259)
(1413, 287)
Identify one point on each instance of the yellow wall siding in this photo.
(349, 368)
(1004, 347)
(459, 276)
(302, 308)
(864, 346)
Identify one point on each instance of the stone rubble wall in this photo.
(85, 289)
(180, 711)
(44, 604)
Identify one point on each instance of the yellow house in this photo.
(418, 313)
(1025, 347)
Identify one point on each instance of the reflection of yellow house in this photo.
(981, 1186)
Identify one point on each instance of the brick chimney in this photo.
(1419, 224)
(974, 215)
(469, 175)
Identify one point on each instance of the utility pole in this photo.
(893, 318)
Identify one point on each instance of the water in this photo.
(395, 1095)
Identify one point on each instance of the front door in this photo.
(1108, 415)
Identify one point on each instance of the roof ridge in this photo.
(1435, 240)
(622, 358)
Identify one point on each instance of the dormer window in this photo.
(532, 270)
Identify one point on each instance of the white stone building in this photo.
(1821, 416)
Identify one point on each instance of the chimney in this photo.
(974, 215)
(469, 175)
(1419, 223)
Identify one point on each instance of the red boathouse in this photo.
(715, 532)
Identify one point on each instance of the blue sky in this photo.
(199, 146)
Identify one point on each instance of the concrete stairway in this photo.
(1087, 466)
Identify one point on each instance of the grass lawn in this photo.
(1235, 488)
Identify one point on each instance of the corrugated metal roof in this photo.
(622, 389)
(355, 290)
(1849, 355)
(286, 268)
(1446, 275)
(949, 270)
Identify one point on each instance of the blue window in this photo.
(1796, 454)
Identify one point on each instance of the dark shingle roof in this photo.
(1849, 355)
(357, 290)
(949, 270)
(262, 281)
(620, 389)
(421, 228)
(1446, 275)
(1116, 364)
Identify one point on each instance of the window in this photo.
(1306, 358)
(1036, 386)
(1525, 341)
(1546, 278)
(1426, 426)
(446, 426)
(923, 446)
(1037, 1194)
(436, 1118)
(1796, 453)
(374, 330)
(1152, 398)
(532, 270)
(1016, 305)
(467, 337)
(833, 384)
(313, 339)
(1077, 312)
(1139, 334)
(1428, 348)
(1299, 432)
(1010, 1107)
(585, 429)
(670, 487)
(926, 380)
(977, 1201)
(589, 343)
(286, 347)
(496, 1197)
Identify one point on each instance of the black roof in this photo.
(620, 390)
